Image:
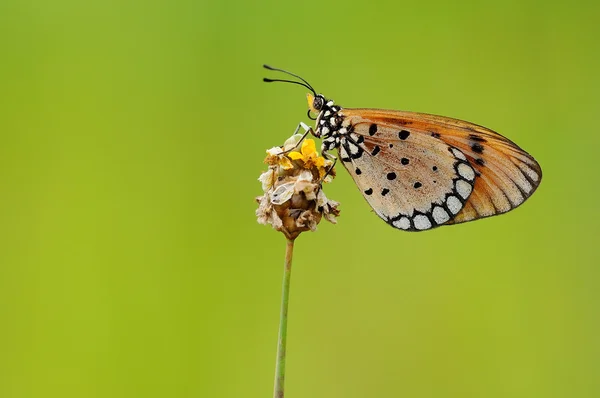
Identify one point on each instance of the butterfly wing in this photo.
(419, 171)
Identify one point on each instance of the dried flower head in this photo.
(293, 200)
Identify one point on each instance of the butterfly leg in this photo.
(306, 129)
(328, 156)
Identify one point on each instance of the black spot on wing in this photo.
(477, 147)
(477, 138)
(372, 129)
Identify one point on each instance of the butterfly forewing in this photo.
(411, 179)
(419, 171)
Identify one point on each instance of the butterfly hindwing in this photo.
(445, 170)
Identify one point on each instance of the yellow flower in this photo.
(308, 154)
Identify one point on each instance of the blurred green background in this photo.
(131, 263)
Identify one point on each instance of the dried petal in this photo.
(275, 151)
(285, 163)
(282, 193)
(267, 179)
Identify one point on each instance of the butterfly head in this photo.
(316, 103)
(328, 118)
(325, 111)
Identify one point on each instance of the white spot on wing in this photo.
(453, 204)
(464, 188)
(353, 148)
(327, 113)
(402, 223)
(343, 152)
(458, 154)
(422, 222)
(325, 130)
(466, 171)
(440, 215)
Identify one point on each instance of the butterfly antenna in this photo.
(289, 81)
(306, 84)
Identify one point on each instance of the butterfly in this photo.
(420, 171)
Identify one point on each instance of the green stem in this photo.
(283, 317)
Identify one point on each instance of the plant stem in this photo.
(283, 317)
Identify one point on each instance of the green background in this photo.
(131, 263)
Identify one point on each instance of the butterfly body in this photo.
(419, 171)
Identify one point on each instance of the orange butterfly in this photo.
(419, 171)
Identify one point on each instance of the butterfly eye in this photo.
(318, 102)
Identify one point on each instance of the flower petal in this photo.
(274, 151)
(291, 142)
(295, 155)
(286, 163)
(267, 179)
(305, 175)
(282, 193)
(308, 147)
